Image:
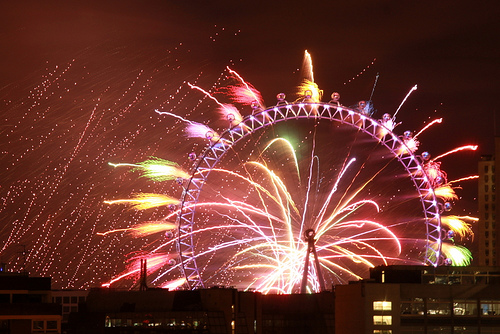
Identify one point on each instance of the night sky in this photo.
(79, 84)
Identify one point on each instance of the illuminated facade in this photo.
(420, 299)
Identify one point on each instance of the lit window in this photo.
(382, 331)
(490, 307)
(382, 320)
(438, 306)
(382, 306)
(464, 307)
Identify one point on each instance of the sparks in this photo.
(145, 201)
(173, 115)
(404, 100)
(467, 178)
(245, 94)
(439, 120)
(462, 148)
(157, 169)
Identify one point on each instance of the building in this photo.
(487, 228)
(420, 299)
(25, 305)
(215, 310)
(69, 301)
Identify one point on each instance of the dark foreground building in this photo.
(395, 300)
(25, 305)
(215, 310)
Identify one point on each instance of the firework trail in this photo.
(404, 100)
(173, 115)
(245, 94)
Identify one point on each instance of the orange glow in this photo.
(446, 192)
(308, 66)
(411, 146)
(172, 285)
(457, 225)
(307, 85)
(149, 228)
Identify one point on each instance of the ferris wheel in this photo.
(305, 166)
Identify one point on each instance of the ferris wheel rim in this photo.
(218, 147)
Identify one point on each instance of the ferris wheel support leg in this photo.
(309, 236)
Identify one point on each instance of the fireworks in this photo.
(273, 189)
(232, 213)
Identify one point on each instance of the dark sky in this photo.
(450, 49)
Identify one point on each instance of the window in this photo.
(412, 330)
(4, 298)
(38, 325)
(464, 307)
(382, 331)
(490, 307)
(438, 307)
(439, 329)
(413, 306)
(382, 306)
(51, 326)
(41, 326)
(4, 326)
(382, 320)
(466, 330)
